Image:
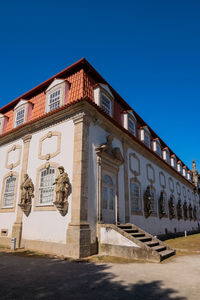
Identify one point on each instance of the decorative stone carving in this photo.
(179, 210)
(190, 212)
(63, 189)
(13, 157)
(195, 213)
(27, 189)
(171, 208)
(147, 202)
(108, 150)
(162, 212)
(51, 140)
(185, 210)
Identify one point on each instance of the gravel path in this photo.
(29, 278)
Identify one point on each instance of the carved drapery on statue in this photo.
(27, 189)
(179, 210)
(162, 211)
(63, 190)
(171, 208)
(185, 210)
(147, 202)
(190, 211)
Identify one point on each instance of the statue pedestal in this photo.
(62, 207)
(26, 208)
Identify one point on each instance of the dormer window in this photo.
(129, 122)
(179, 167)
(56, 94)
(185, 171)
(104, 98)
(174, 161)
(166, 155)
(157, 147)
(3, 121)
(22, 112)
(189, 177)
(145, 136)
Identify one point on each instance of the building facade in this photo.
(115, 169)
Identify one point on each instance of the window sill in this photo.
(47, 207)
(136, 212)
(7, 209)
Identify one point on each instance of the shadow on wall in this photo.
(40, 278)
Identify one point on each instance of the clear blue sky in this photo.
(147, 50)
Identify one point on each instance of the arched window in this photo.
(107, 192)
(9, 192)
(46, 187)
(135, 196)
(153, 201)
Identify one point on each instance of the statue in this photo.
(63, 188)
(27, 189)
(190, 211)
(195, 175)
(147, 202)
(185, 210)
(179, 210)
(162, 212)
(171, 208)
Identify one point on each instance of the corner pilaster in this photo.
(78, 233)
(17, 226)
(126, 192)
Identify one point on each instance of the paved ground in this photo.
(43, 278)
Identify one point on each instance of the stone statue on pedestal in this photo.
(27, 189)
(162, 212)
(179, 210)
(171, 208)
(185, 209)
(147, 202)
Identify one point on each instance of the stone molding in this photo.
(9, 209)
(160, 181)
(171, 186)
(48, 135)
(134, 155)
(149, 166)
(13, 165)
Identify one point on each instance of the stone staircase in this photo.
(150, 242)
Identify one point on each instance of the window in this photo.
(179, 166)
(106, 104)
(54, 100)
(147, 140)
(174, 161)
(46, 188)
(131, 126)
(135, 196)
(153, 201)
(107, 193)
(157, 147)
(19, 117)
(9, 192)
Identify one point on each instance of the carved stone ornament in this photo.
(171, 208)
(63, 190)
(162, 212)
(195, 213)
(147, 202)
(27, 189)
(185, 210)
(110, 153)
(195, 175)
(190, 212)
(179, 210)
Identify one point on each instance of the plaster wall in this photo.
(8, 218)
(44, 225)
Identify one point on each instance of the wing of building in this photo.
(78, 164)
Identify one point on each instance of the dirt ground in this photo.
(26, 277)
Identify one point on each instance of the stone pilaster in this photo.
(17, 226)
(78, 233)
(126, 192)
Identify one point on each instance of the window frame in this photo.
(10, 208)
(39, 203)
(132, 209)
(57, 84)
(145, 136)
(107, 97)
(22, 105)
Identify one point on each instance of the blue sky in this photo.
(147, 50)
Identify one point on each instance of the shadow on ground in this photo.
(41, 278)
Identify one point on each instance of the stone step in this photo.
(124, 226)
(131, 230)
(145, 239)
(152, 244)
(138, 234)
(166, 253)
(159, 248)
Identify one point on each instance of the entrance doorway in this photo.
(108, 199)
